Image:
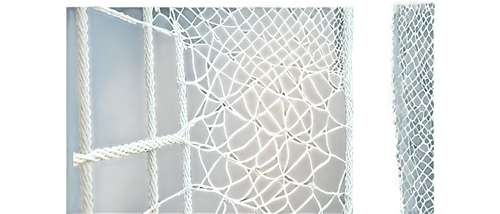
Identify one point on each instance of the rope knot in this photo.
(312, 185)
(252, 84)
(256, 170)
(282, 132)
(281, 96)
(253, 119)
(256, 210)
(225, 154)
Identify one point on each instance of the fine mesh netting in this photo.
(265, 109)
(413, 85)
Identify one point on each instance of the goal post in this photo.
(277, 70)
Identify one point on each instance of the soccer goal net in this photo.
(265, 108)
(413, 86)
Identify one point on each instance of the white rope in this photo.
(84, 104)
(158, 142)
(186, 151)
(132, 20)
(126, 149)
(150, 98)
(205, 188)
(140, 146)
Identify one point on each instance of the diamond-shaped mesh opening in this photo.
(413, 53)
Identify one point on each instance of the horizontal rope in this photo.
(147, 145)
(132, 20)
(137, 147)
(127, 149)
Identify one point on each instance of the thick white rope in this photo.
(84, 106)
(147, 13)
(139, 146)
(148, 145)
(132, 20)
(186, 150)
(126, 149)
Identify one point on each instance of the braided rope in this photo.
(126, 149)
(149, 80)
(132, 20)
(183, 121)
(84, 103)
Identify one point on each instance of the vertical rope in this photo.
(347, 70)
(435, 100)
(150, 97)
(84, 106)
(186, 151)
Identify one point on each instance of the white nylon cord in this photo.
(183, 121)
(84, 104)
(149, 82)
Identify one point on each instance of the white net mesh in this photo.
(413, 85)
(266, 107)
